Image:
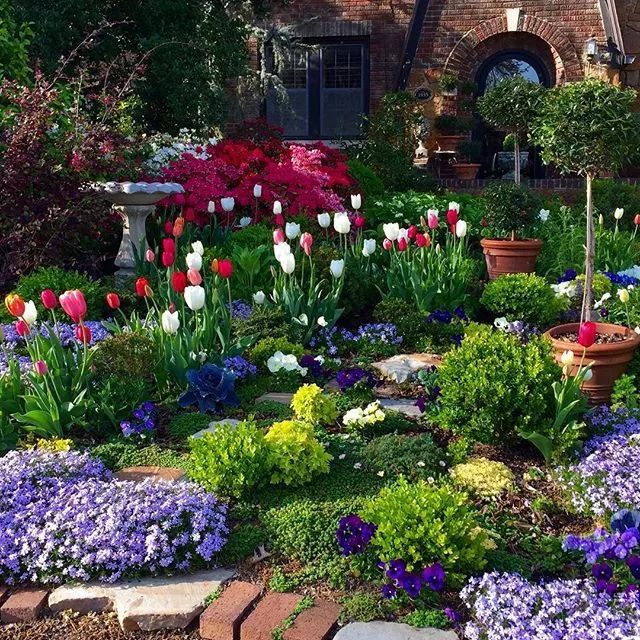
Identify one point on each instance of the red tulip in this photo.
(359, 221)
(169, 245)
(49, 299)
(113, 300)
(74, 305)
(83, 333)
(422, 240)
(40, 367)
(387, 244)
(168, 259)
(306, 240)
(168, 227)
(452, 217)
(225, 268)
(189, 214)
(142, 287)
(22, 328)
(587, 334)
(15, 305)
(412, 231)
(278, 236)
(402, 244)
(194, 277)
(178, 281)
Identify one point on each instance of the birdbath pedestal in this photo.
(134, 202)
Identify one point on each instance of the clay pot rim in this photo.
(508, 242)
(467, 164)
(609, 348)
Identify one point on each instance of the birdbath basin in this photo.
(134, 201)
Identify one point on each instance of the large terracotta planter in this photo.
(510, 256)
(466, 171)
(610, 360)
(449, 143)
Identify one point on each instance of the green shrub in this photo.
(272, 409)
(423, 524)
(416, 457)
(115, 399)
(264, 322)
(311, 405)
(294, 454)
(119, 454)
(263, 350)
(523, 296)
(126, 355)
(510, 207)
(609, 194)
(185, 424)
(432, 618)
(507, 562)
(360, 292)
(410, 322)
(493, 386)
(229, 460)
(369, 183)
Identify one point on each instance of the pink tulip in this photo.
(194, 277)
(40, 367)
(359, 221)
(387, 244)
(306, 240)
(49, 299)
(22, 328)
(278, 236)
(74, 305)
(432, 220)
(402, 244)
(168, 258)
(149, 256)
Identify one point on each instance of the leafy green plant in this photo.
(483, 477)
(185, 424)
(14, 45)
(363, 607)
(311, 405)
(432, 618)
(370, 185)
(264, 322)
(11, 389)
(511, 210)
(523, 296)
(115, 398)
(127, 355)
(121, 453)
(294, 454)
(625, 392)
(493, 386)
(423, 524)
(230, 460)
(448, 82)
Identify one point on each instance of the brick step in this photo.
(316, 623)
(25, 605)
(222, 619)
(268, 615)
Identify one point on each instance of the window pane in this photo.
(294, 74)
(509, 68)
(342, 66)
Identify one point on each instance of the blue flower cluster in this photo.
(63, 518)
(332, 340)
(313, 365)
(7, 355)
(521, 330)
(620, 279)
(568, 276)
(240, 310)
(240, 367)
(142, 423)
(354, 534)
(446, 317)
(64, 331)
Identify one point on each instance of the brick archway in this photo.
(480, 42)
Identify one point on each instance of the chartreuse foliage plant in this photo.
(294, 454)
(423, 523)
(311, 405)
(494, 386)
(483, 477)
(230, 460)
(523, 296)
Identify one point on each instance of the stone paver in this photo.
(282, 398)
(407, 406)
(138, 474)
(270, 613)
(399, 368)
(315, 623)
(24, 606)
(391, 631)
(147, 605)
(223, 617)
(214, 425)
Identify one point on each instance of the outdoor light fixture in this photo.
(608, 53)
(591, 47)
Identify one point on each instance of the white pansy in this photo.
(170, 322)
(544, 214)
(602, 300)
(280, 361)
(391, 231)
(358, 417)
(567, 289)
(322, 322)
(337, 268)
(501, 323)
(194, 261)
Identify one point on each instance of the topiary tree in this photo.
(587, 127)
(512, 105)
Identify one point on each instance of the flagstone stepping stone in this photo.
(391, 631)
(274, 396)
(214, 425)
(144, 605)
(407, 406)
(138, 474)
(25, 605)
(399, 368)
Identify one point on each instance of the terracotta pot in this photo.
(466, 171)
(449, 143)
(610, 360)
(510, 256)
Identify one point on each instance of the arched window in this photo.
(508, 64)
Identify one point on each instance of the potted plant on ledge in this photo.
(512, 213)
(471, 152)
(588, 127)
(451, 130)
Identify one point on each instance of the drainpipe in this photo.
(411, 44)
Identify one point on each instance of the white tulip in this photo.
(324, 220)
(194, 297)
(228, 204)
(211, 207)
(292, 230)
(277, 208)
(30, 314)
(198, 247)
(245, 221)
(281, 250)
(194, 261)
(567, 358)
(341, 222)
(455, 206)
(544, 214)
(170, 322)
(618, 213)
(337, 268)
(588, 375)
(288, 263)
(368, 247)
(356, 201)
(403, 234)
(461, 228)
(600, 219)
(259, 297)
(391, 231)
(257, 190)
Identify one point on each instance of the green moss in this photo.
(184, 425)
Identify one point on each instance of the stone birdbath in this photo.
(134, 202)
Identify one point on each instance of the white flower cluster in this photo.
(358, 417)
(567, 289)
(287, 362)
(165, 148)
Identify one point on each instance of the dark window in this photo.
(327, 88)
(508, 64)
